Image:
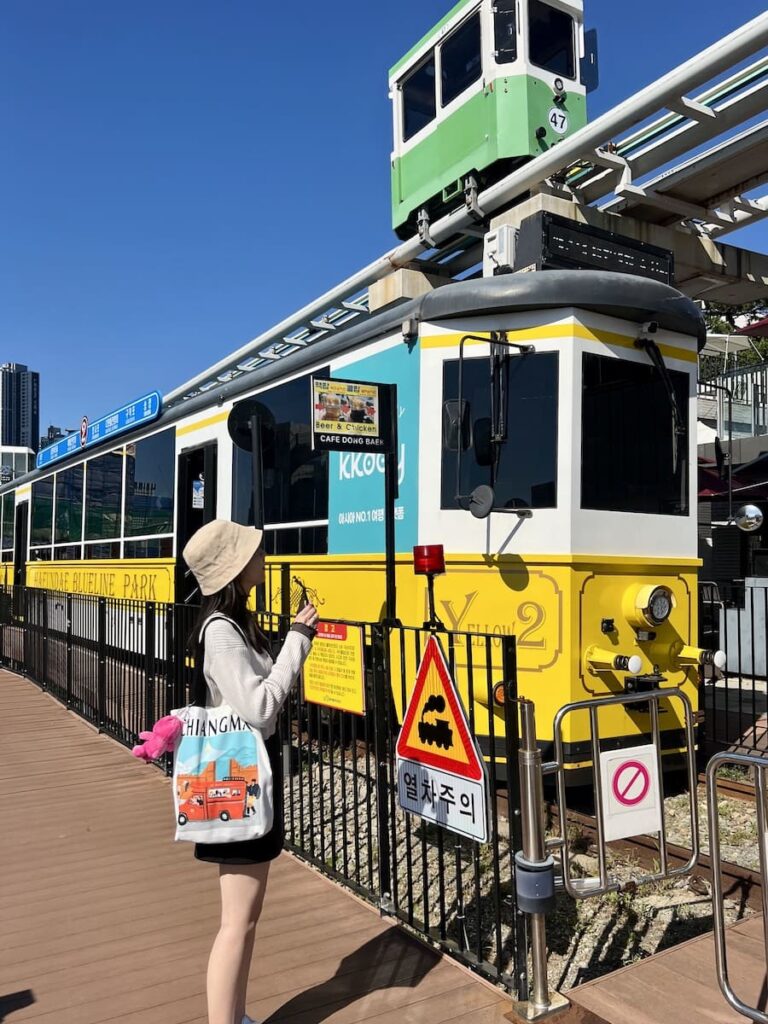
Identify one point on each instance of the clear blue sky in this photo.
(178, 176)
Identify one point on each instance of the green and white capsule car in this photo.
(493, 84)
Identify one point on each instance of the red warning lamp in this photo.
(428, 559)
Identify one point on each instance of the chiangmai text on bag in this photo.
(222, 778)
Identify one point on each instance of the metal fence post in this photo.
(512, 742)
(534, 867)
(68, 669)
(44, 640)
(25, 637)
(170, 673)
(759, 765)
(101, 646)
(5, 599)
(149, 664)
(380, 636)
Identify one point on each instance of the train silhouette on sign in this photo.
(437, 732)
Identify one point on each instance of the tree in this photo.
(724, 319)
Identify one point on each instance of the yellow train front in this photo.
(547, 441)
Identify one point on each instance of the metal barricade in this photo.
(534, 867)
(582, 888)
(759, 765)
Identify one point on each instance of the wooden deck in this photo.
(680, 984)
(104, 918)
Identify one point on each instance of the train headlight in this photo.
(659, 606)
(646, 607)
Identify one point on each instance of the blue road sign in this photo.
(135, 414)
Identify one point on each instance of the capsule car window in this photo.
(419, 103)
(460, 62)
(551, 39)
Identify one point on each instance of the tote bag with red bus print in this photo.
(222, 778)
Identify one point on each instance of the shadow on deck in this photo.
(104, 918)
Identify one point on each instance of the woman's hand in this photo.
(308, 616)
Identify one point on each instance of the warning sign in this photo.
(631, 792)
(440, 773)
(333, 672)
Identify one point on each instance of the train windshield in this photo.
(633, 458)
(505, 31)
(552, 39)
(523, 468)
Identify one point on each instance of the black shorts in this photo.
(265, 848)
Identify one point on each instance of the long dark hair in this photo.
(233, 603)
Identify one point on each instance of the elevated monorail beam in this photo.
(348, 300)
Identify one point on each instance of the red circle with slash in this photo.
(631, 782)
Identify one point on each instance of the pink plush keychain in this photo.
(163, 738)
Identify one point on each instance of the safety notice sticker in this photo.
(631, 792)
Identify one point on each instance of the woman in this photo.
(228, 562)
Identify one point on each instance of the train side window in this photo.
(67, 552)
(304, 540)
(69, 505)
(419, 101)
(629, 459)
(102, 551)
(552, 39)
(295, 476)
(9, 519)
(42, 512)
(505, 31)
(103, 493)
(149, 485)
(460, 60)
(153, 547)
(521, 474)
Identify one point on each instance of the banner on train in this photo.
(351, 415)
(333, 672)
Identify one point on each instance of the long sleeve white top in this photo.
(252, 684)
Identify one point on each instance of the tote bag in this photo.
(222, 778)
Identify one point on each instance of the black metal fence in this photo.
(733, 618)
(123, 664)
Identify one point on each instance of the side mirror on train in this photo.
(481, 501)
(481, 441)
(457, 430)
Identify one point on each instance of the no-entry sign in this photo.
(631, 782)
(631, 793)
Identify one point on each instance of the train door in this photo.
(20, 554)
(196, 502)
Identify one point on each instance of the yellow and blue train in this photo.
(560, 481)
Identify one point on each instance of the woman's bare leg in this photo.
(242, 896)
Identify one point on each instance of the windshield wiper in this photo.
(649, 345)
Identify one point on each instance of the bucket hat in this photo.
(219, 552)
